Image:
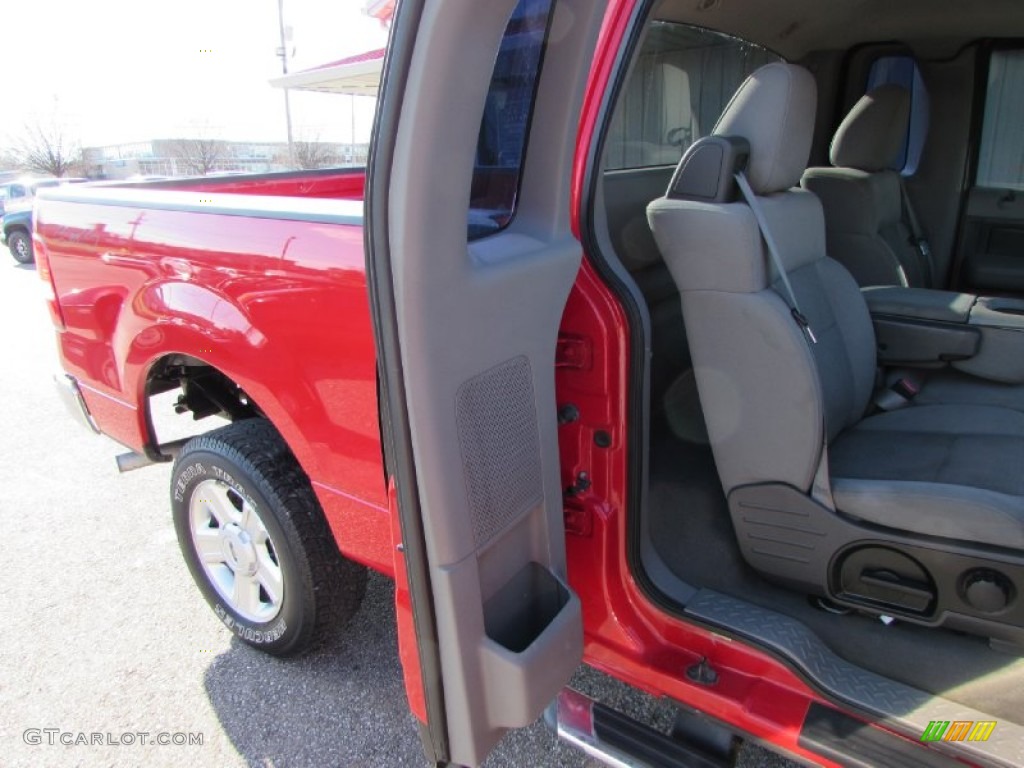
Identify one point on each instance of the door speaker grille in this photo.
(497, 420)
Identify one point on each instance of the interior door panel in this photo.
(627, 193)
(467, 325)
(992, 241)
(991, 245)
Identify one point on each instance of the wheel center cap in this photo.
(239, 552)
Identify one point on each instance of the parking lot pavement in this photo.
(106, 638)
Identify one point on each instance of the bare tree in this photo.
(8, 159)
(310, 155)
(45, 147)
(199, 156)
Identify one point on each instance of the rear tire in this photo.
(256, 542)
(21, 246)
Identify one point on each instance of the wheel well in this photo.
(204, 390)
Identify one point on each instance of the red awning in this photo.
(358, 75)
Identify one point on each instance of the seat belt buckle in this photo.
(805, 326)
(906, 388)
(898, 395)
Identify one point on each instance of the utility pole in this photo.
(283, 53)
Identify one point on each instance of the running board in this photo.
(895, 706)
(126, 462)
(618, 740)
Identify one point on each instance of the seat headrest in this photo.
(774, 111)
(872, 133)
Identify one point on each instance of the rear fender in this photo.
(178, 317)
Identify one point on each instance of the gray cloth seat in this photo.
(936, 470)
(951, 387)
(866, 226)
(783, 411)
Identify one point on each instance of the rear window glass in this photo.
(1001, 154)
(902, 70)
(679, 86)
(505, 125)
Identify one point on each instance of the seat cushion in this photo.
(950, 471)
(950, 387)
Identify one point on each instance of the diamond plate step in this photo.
(900, 707)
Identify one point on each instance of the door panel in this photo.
(991, 247)
(993, 241)
(467, 320)
(627, 193)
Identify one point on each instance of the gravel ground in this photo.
(107, 635)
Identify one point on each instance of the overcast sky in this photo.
(115, 71)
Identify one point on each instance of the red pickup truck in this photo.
(574, 368)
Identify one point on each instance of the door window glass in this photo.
(680, 84)
(505, 125)
(1001, 155)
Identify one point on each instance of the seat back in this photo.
(770, 399)
(866, 227)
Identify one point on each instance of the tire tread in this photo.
(338, 583)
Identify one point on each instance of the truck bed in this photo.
(331, 184)
(257, 278)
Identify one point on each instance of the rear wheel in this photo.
(21, 246)
(256, 542)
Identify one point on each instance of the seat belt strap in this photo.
(821, 486)
(917, 238)
(773, 252)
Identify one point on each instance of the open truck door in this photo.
(470, 260)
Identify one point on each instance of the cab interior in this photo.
(898, 603)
